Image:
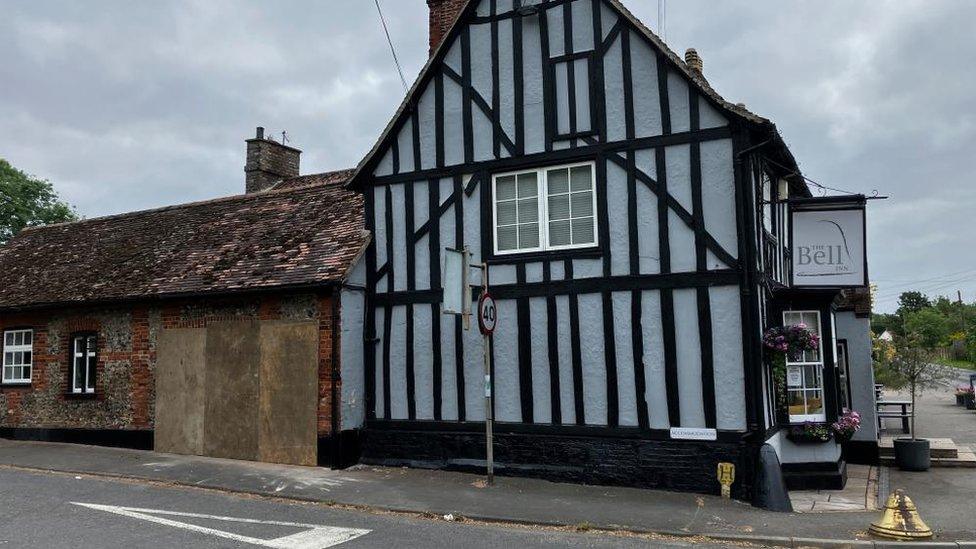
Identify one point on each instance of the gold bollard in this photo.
(900, 520)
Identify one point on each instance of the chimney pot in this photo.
(268, 162)
(693, 60)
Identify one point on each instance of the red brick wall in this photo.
(125, 374)
(443, 13)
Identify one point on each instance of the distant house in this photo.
(641, 233)
(886, 336)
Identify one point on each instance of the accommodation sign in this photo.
(829, 247)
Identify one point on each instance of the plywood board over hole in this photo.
(233, 359)
(241, 389)
(288, 393)
(180, 391)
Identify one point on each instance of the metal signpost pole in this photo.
(489, 454)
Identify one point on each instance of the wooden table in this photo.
(905, 413)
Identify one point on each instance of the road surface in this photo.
(67, 511)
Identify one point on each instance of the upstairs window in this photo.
(545, 209)
(18, 355)
(84, 358)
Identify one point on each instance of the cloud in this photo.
(127, 105)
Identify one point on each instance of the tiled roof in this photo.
(326, 178)
(300, 235)
(857, 300)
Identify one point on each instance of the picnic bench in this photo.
(905, 413)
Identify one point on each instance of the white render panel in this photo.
(718, 193)
(626, 397)
(398, 364)
(593, 359)
(423, 362)
(567, 402)
(541, 395)
(688, 353)
(505, 345)
(730, 401)
(656, 387)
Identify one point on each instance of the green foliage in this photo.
(912, 302)
(26, 201)
(890, 322)
(931, 327)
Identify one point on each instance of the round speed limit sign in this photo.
(487, 314)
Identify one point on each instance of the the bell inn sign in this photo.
(829, 243)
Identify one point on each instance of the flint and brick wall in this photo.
(125, 375)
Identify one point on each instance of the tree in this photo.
(912, 302)
(913, 366)
(26, 201)
(930, 327)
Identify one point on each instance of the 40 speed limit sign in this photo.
(487, 314)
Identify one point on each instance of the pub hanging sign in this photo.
(829, 245)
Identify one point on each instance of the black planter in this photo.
(960, 399)
(912, 455)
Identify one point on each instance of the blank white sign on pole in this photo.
(453, 281)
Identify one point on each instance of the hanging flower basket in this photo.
(782, 342)
(810, 433)
(846, 425)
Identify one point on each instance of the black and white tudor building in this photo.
(637, 230)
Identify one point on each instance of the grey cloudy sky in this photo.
(129, 105)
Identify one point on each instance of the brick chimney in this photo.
(268, 162)
(443, 13)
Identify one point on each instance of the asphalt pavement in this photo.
(55, 510)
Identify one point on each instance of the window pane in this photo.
(508, 237)
(796, 403)
(27, 372)
(27, 357)
(79, 373)
(528, 210)
(92, 363)
(8, 359)
(559, 207)
(811, 376)
(814, 402)
(581, 178)
(582, 204)
(529, 235)
(91, 344)
(506, 213)
(8, 338)
(559, 233)
(527, 185)
(505, 188)
(558, 181)
(28, 337)
(583, 231)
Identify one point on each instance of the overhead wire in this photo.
(386, 30)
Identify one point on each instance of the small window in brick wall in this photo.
(18, 355)
(84, 358)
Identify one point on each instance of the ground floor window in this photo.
(804, 373)
(84, 358)
(18, 353)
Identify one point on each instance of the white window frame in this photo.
(6, 349)
(542, 195)
(85, 355)
(803, 363)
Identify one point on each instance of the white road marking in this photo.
(316, 536)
